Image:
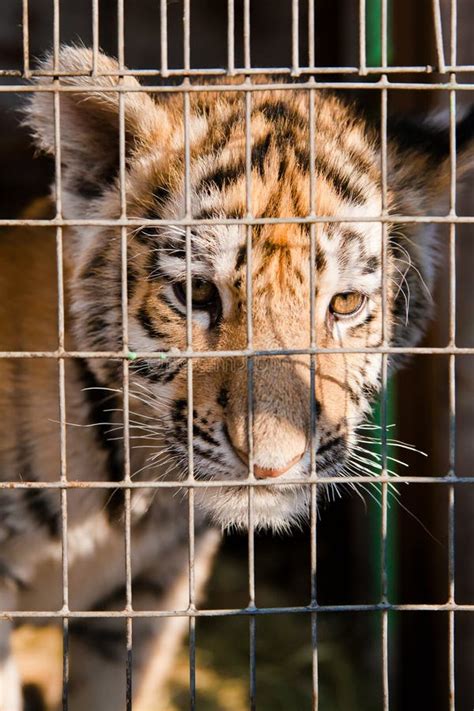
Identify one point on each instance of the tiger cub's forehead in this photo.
(272, 177)
(348, 255)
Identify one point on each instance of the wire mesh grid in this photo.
(304, 81)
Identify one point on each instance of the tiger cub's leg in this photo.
(98, 649)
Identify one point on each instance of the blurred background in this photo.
(348, 528)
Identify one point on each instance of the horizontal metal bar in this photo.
(249, 71)
(313, 219)
(243, 353)
(213, 484)
(235, 612)
(448, 85)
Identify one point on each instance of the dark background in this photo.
(348, 531)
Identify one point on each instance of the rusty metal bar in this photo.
(438, 31)
(26, 73)
(125, 362)
(197, 484)
(313, 80)
(295, 40)
(189, 341)
(384, 363)
(363, 69)
(312, 394)
(250, 365)
(161, 355)
(163, 39)
(215, 71)
(317, 219)
(61, 362)
(232, 612)
(95, 37)
(383, 83)
(311, 38)
(452, 366)
(230, 38)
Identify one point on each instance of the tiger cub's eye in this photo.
(347, 303)
(204, 294)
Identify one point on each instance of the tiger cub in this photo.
(346, 293)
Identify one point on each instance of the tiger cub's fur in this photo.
(347, 313)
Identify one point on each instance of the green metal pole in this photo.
(374, 59)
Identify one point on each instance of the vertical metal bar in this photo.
(247, 53)
(384, 34)
(189, 346)
(311, 44)
(438, 30)
(452, 364)
(187, 34)
(295, 38)
(250, 365)
(312, 402)
(61, 365)
(164, 37)
(362, 38)
(95, 36)
(383, 409)
(250, 381)
(26, 40)
(125, 362)
(121, 43)
(230, 37)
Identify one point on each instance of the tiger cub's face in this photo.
(263, 298)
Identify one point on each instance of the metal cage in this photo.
(307, 77)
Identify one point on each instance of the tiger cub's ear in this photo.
(89, 118)
(419, 162)
(419, 178)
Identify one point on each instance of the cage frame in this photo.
(448, 69)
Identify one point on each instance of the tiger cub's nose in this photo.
(268, 473)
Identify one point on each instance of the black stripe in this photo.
(157, 372)
(226, 127)
(302, 159)
(279, 112)
(205, 436)
(331, 444)
(173, 308)
(96, 264)
(241, 257)
(360, 161)
(223, 176)
(373, 263)
(223, 397)
(259, 153)
(91, 187)
(161, 194)
(236, 213)
(145, 321)
(341, 183)
(210, 455)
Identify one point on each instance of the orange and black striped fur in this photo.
(347, 313)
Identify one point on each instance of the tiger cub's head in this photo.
(251, 287)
